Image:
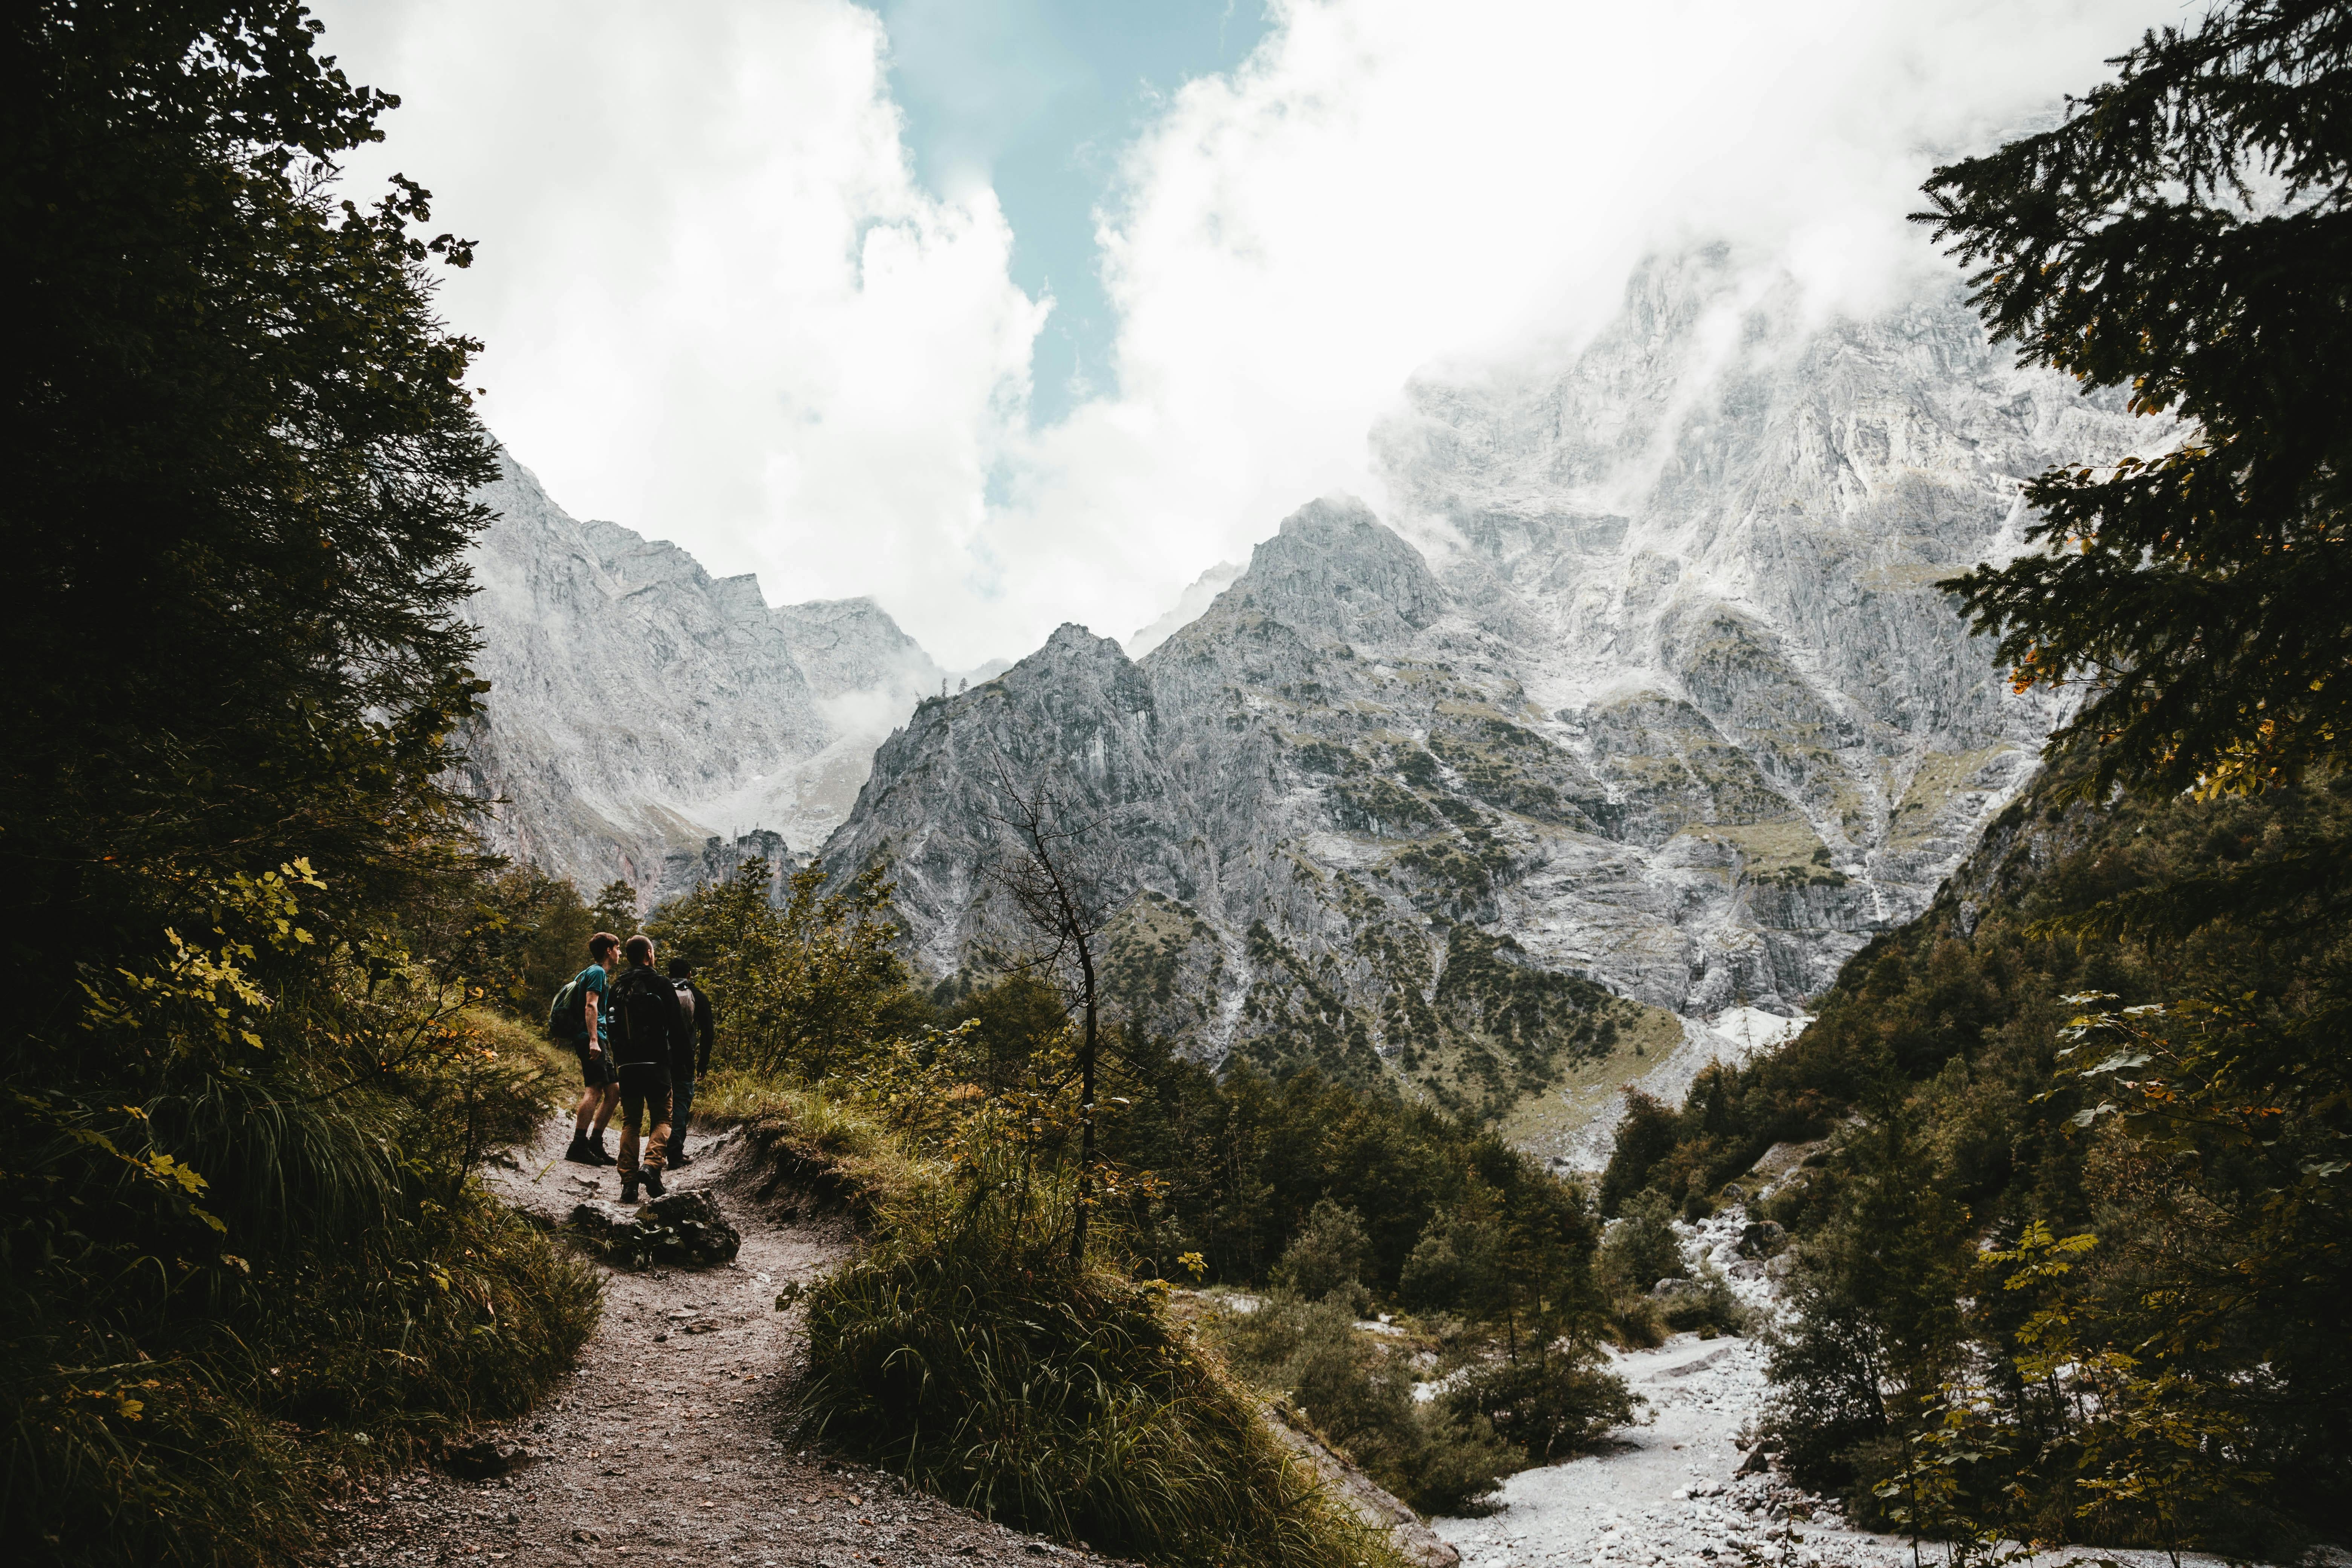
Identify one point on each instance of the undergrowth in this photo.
(192, 1362)
(965, 1351)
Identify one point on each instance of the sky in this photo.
(1008, 312)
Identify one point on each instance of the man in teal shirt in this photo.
(601, 1090)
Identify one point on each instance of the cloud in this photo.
(722, 310)
(1386, 185)
(719, 308)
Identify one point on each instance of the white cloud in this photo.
(722, 310)
(718, 308)
(1388, 185)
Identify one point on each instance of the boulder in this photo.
(1673, 1286)
(1762, 1238)
(481, 1460)
(684, 1229)
(602, 1221)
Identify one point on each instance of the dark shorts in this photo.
(596, 1071)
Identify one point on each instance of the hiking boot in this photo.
(653, 1183)
(678, 1159)
(628, 1189)
(581, 1151)
(596, 1151)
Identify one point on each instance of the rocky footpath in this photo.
(673, 1443)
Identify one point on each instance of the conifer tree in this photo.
(2186, 232)
(238, 448)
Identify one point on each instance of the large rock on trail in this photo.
(684, 1229)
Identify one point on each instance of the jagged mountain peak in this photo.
(645, 716)
(1070, 639)
(1651, 690)
(1333, 517)
(1064, 695)
(1640, 685)
(1334, 567)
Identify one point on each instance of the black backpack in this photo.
(641, 1003)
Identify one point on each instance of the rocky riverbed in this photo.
(1684, 1488)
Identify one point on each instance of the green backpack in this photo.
(563, 1019)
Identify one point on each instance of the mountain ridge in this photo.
(1636, 699)
(1647, 689)
(644, 715)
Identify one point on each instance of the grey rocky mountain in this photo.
(650, 722)
(1197, 596)
(1642, 690)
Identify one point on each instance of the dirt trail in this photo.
(669, 1445)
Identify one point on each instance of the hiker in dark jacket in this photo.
(650, 1032)
(683, 1071)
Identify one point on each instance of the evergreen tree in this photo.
(2186, 232)
(239, 446)
(615, 909)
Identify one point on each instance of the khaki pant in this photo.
(638, 1105)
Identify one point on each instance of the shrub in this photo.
(806, 990)
(1326, 1259)
(1636, 1323)
(1710, 1305)
(1549, 1402)
(1641, 1248)
(1360, 1396)
(965, 1351)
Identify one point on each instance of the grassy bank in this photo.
(193, 1373)
(966, 1351)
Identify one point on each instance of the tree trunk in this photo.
(1085, 1110)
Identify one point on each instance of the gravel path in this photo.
(669, 1446)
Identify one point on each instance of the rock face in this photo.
(684, 1229)
(1647, 694)
(645, 718)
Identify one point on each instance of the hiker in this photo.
(601, 1090)
(696, 1003)
(648, 1033)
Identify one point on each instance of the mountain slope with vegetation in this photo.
(1953, 1091)
(2073, 1242)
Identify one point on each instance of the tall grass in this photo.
(966, 1352)
(221, 1451)
(188, 1369)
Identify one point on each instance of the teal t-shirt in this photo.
(593, 978)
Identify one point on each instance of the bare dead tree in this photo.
(1067, 880)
